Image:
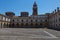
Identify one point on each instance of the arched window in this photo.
(17, 24)
(13, 20)
(31, 20)
(7, 24)
(35, 20)
(4, 24)
(22, 20)
(12, 25)
(45, 20)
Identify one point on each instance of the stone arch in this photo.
(31, 24)
(36, 24)
(13, 25)
(17, 25)
(41, 24)
(1, 25)
(22, 24)
(26, 24)
(8, 25)
(4, 24)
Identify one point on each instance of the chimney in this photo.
(57, 9)
(53, 12)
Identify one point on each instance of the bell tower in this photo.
(35, 11)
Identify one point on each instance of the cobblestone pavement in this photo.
(29, 34)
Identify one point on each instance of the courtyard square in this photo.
(29, 34)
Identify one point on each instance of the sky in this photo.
(18, 6)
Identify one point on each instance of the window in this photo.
(9, 19)
(26, 20)
(22, 20)
(6, 19)
(59, 19)
(3, 18)
(13, 20)
(31, 20)
(45, 20)
(35, 20)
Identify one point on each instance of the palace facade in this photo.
(50, 20)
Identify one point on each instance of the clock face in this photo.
(35, 7)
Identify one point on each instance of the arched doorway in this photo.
(22, 24)
(12, 25)
(26, 24)
(31, 24)
(4, 25)
(7, 25)
(41, 25)
(36, 24)
(17, 25)
(1, 25)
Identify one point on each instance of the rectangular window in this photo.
(9, 20)
(3, 18)
(6, 19)
(56, 20)
(59, 13)
(59, 19)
